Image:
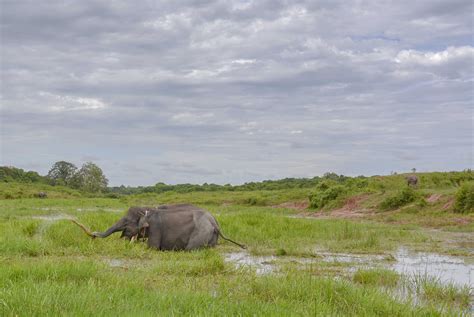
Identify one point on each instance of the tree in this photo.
(62, 173)
(13, 174)
(90, 178)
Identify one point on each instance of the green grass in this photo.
(444, 295)
(84, 287)
(377, 277)
(380, 193)
(53, 268)
(264, 229)
(246, 198)
(14, 190)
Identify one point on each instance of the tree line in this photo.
(286, 183)
(89, 177)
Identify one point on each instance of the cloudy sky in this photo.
(236, 91)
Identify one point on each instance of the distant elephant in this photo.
(412, 180)
(183, 227)
(42, 195)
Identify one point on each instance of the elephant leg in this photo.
(202, 236)
(213, 241)
(154, 239)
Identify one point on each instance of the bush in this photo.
(465, 198)
(401, 198)
(326, 194)
(255, 201)
(422, 203)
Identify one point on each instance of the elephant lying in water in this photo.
(180, 230)
(168, 227)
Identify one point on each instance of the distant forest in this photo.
(13, 174)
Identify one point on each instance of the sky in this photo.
(237, 91)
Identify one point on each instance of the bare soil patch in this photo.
(449, 204)
(433, 198)
(352, 209)
(297, 205)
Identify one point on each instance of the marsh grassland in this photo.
(299, 262)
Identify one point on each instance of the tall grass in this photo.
(465, 198)
(433, 290)
(84, 288)
(377, 277)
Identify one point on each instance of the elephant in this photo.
(42, 195)
(412, 180)
(185, 228)
(167, 227)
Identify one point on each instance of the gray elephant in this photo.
(42, 195)
(168, 227)
(412, 180)
(184, 228)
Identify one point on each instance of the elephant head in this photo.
(128, 224)
(143, 225)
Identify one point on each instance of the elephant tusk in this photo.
(134, 238)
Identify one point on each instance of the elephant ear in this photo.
(143, 223)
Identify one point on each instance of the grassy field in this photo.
(48, 266)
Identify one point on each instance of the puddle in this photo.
(262, 264)
(46, 208)
(351, 258)
(116, 263)
(446, 269)
(99, 209)
(54, 217)
(126, 263)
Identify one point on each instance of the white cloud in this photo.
(243, 61)
(187, 118)
(70, 103)
(170, 21)
(247, 89)
(435, 58)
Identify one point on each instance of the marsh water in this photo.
(446, 269)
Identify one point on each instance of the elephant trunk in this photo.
(119, 226)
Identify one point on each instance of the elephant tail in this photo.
(218, 231)
(236, 243)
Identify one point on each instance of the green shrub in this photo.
(421, 202)
(465, 198)
(326, 194)
(401, 198)
(255, 201)
(358, 182)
